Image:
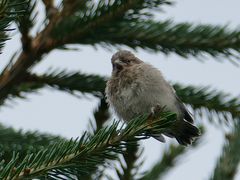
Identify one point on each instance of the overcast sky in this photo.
(57, 112)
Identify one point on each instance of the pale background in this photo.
(58, 112)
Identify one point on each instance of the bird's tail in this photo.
(183, 131)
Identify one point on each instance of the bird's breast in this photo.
(135, 92)
(122, 94)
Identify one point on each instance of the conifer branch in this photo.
(102, 114)
(102, 14)
(62, 80)
(20, 90)
(65, 159)
(201, 99)
(214, 101)
(26, 22)
(228, 162)
(69, 7)
(22, 142)
(167, 37)
(130, 167)
(70, 81)
(4, 23)
(51, 11)
(7, 16)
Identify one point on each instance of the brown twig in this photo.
(101, 115)
(51, 11)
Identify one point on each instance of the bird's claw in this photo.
(155, 111)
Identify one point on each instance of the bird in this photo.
(136, 87)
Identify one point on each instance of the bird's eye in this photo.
(127, 61)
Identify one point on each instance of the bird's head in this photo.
(123, 59)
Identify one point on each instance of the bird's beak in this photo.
(117, 61)
(118, 65)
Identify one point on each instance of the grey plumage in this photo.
(136, 87)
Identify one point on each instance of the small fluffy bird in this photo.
(136, 88)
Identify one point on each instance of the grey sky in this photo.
(60, 113)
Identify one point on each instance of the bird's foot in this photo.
(156, 110)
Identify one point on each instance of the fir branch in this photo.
(228, 162)
(130, 167)
(198, 97)
(22, 142)
(4, 23)
(65, 159)
(70, 81)
(21, 90)
(50, 9)
(105, 13)
(201, 99)
(6, 17)
(62, 80)
(214, 101)
(69, 7)
(26, 22)
(102, 114)
(167, 37)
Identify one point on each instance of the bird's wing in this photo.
(186, 114)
